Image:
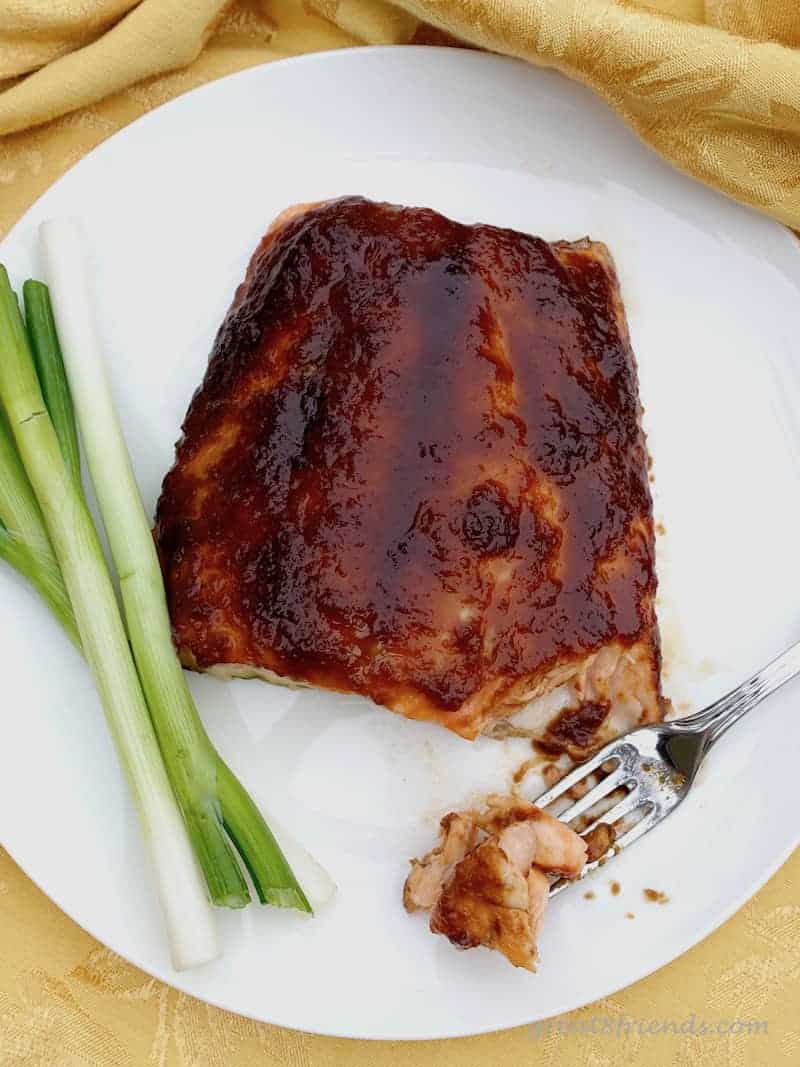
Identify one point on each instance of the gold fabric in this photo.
(64, 1000)
(714, 88)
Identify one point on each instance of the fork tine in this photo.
(597, 792)
(647, 822)
(628, 804)
(576, 775)
(562, 883)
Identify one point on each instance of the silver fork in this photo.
(658, 764)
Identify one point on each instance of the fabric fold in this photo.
(717, 92)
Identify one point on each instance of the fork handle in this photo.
(716, 719)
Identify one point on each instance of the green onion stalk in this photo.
(24, 542)
(72, 534)
(216, 808)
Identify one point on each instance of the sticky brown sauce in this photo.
(574, 730)
(655, 896)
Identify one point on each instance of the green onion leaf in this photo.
(50, 371)
(24, 542)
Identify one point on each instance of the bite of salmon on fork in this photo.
(488, 881)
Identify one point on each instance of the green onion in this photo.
(24, 543)
(104, 642)
(50, 371)
(215, 806)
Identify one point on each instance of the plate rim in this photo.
(219, 1003)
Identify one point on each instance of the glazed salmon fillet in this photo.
(415, 470)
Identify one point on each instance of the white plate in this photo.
(173, 206)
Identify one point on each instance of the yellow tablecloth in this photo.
(65, 1001)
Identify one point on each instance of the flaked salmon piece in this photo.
(520, 842)
(485, 901)
(538, 890)
(559, 850)
(486, 883)
(424, 883)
